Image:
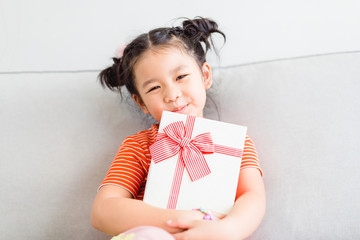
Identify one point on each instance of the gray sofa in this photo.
(59, 133)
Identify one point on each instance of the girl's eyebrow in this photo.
(147, 82)
(176, 69)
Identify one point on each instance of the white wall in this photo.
(63, 35)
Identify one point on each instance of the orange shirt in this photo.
(131, 164)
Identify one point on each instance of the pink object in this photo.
(177, 139)
(120, 50)
(144, 233)
(208, 215)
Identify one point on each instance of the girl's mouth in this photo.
(180, 109)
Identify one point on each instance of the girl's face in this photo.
(169, 79)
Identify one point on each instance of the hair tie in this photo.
(120, 50)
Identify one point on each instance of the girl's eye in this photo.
(181, 76)
(153, 88)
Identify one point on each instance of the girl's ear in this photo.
(140, 103)
(206, 69)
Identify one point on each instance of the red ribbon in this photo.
(176, 139)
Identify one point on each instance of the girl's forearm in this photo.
(115, 215)
(247, 213)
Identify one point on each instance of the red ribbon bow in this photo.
(177, 139)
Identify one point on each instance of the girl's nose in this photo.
(171, 94)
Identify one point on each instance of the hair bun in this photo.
(200, 29)
(109, 77)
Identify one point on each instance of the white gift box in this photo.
(215, 191)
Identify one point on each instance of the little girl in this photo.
(166, 69)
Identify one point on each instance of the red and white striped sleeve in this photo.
(250, 157)
(131, 164)
(126, 170)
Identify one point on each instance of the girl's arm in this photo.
(243, 219)
(249, 208)
(114, 211)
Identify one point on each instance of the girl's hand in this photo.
(203, 230)
(196, 229)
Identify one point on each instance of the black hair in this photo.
(193, 34)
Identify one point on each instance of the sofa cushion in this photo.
(60, 132)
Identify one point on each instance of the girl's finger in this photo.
(178, 224)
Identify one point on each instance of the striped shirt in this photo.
(131, 164)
